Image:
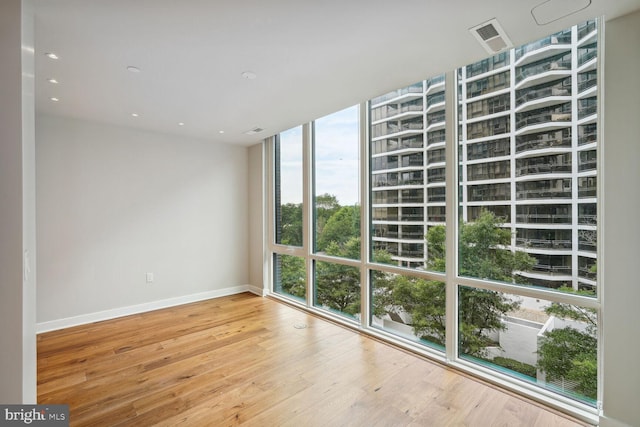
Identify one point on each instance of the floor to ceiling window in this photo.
(474, 238)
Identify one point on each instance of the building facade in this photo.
(527, 132)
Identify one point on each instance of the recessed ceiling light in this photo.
(54, 99)
(181, 124)
(52, 81)
(133, 69)
(249, 75)
(52, 55)
(134, 114)
(221, 131)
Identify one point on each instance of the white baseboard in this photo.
(258, 291)
(84, 319)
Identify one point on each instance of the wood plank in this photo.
(241, 360)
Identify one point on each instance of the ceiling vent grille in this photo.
(491, 36)
(254, 131)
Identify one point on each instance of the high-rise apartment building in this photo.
(527, 130)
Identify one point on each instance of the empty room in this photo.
(319, 213)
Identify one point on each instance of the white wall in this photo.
(17, 207)
(621, 275)
(256, 225)
(115, 203)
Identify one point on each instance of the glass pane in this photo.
(336, 184)
(549, 344)
(289, 276)
(288, 187)
(407, 175)
(409, 307)
(528, 163)
(337, 288)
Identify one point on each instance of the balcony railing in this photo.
(587, 165)
(436, 159)
(542, 194)
(435, 80)
(545, 117)
(473, 176)
(413, 200)
(412, 217)
(543, 218)
(587, 83)
(587, 55)
(435, 118)
(415, 88)
(541, 168)
(385, 200)
(435, 138)
(586, 192)
(415, 236)
(587, 29)
(543, 243)
(587, 219)
(555, 39)
(412, 253)
(525, 72)
(586, 273)
(435, 99)
(553, 269)
(389, 217)
(546, 92)
(587, 111)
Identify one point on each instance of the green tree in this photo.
(292, 275)
(325, 206)
(571, 353)
(338, 285)
(290, 224)
(482, 254)
(340, 228)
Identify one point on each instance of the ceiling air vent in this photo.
(254, 131)
(491, 36)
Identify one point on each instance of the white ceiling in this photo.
(311, 58)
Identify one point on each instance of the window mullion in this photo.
(365, 282)
(451, 168)
(307, 206)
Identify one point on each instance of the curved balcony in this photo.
(543, 244)
(545, 70)
(413, 91)
(537, 93)
(435, 137)
(394, 112)
(586, 29)
(587, 134)
(587, 80)
(529, 52)
(436, 99)
(536, 218)
(489, 64)
(561, 113)
(587, 107)
(586, 53)
(434, 82)
(553, 270)
(544, 189)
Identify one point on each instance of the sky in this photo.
(336, 157)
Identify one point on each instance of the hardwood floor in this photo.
(247, 359)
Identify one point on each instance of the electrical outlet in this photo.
(149, 277)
